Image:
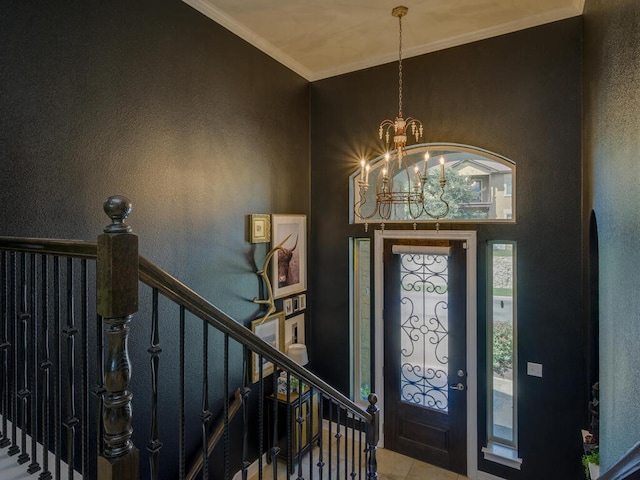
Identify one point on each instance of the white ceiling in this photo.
(322, 38)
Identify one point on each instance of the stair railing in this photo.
(45, 324)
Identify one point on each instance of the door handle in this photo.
(457, 386)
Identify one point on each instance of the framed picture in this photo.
(289, 265)
(302, 301)
(259, 228)
(293, 331)
(287, 306)
(269, 330)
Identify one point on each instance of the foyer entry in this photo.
(425, 285)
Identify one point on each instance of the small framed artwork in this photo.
(295, 304)
(293, 331)
(289, 266)
(259, 228)
(287, 306)
(302, 301)
(269, 330)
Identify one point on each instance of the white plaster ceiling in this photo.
(322, 38)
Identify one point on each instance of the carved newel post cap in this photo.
(118, 208)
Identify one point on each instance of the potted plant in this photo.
(591, 463)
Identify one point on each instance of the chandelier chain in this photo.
(400, 70)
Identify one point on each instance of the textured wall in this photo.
(611, 146)
(152, 100)
(517, 95)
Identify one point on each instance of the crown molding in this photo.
(247, 35)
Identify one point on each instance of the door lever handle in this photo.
(457, 386)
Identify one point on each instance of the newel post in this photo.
(373, 436)
(117, 291)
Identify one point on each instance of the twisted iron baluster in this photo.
(154, 445)
(45, 365)
(69, 331)
(34, 466)
(4, 346)
(23, 393)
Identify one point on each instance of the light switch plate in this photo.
(534, 369)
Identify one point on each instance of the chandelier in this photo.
(398, 184)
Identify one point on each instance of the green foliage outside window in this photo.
(502, 347)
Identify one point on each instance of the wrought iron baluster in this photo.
(321, 463)
(4, 350)
(99, 388)
(23, 392)
(346, 444)
(57, 371)
(310, 435)
(225, 390)
(13, 386)
(300, 421)
(275, 449)
(360, 449)
(45, 365)
(246, 391)
(84, 335)
(34, 466)
(353, 447)
(260, 419)
(69, 331)
(289, 440)
(330, 438)
(154, 445)
(338, 438)
(182, 412)
(205, 416)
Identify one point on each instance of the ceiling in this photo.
(323, 38)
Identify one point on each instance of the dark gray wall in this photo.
(611, 145)
(517, 95)
(152, 100)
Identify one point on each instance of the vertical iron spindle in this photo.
(57, 370)
(34, 466)
(23, 393)
(4, 351)
(154, 445)
(84, 353)
(13, 386)
(205, 416)
(45, 364)
(69, 332)
(321, 439)
(225, 390)
(182, 413)
(300, 421)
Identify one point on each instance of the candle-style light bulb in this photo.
(426, 161)
(366, 178)
(441, 168)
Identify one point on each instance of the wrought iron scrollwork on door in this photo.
(424, 324)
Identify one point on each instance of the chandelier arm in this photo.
(442, 200)
(357, 208)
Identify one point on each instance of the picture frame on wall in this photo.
(269, 330)
(289, 265)
(302, 301)
(287, 306)
(259, 228)
(293, 332)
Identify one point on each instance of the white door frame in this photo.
(472, 362)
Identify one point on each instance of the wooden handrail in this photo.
(72, 248)
(172, 288)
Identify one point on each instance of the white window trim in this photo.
(497, 451)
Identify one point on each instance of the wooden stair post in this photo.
(117, 292)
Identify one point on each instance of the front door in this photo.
(425, 351)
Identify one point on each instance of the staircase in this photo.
(122, 372)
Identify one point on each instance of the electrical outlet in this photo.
(534, 369)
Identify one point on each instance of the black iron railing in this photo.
(65, 376)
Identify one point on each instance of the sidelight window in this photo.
(361, 324)
(501, 354)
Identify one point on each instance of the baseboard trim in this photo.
(488, 476)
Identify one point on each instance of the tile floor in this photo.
(391, 466)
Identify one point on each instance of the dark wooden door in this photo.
(425, 351)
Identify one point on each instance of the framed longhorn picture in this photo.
(289, 264)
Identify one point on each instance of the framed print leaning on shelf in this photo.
(268, 330)
(289, 265)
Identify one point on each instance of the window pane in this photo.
(362, 315)
(502, 355)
